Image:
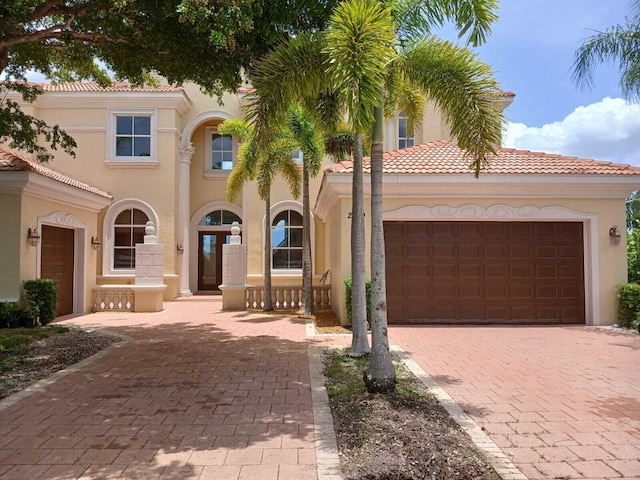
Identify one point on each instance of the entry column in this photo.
(186, 151)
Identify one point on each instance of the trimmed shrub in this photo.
(633, 256)
(44, 295)
(347, 283)
(8, 311)
(628, 303)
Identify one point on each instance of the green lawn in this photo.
(12, 337)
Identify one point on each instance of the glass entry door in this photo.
(210, 259)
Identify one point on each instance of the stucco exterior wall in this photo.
(605, 263)
(14, 240)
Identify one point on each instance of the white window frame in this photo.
(402, 117)
(208, 170)
(298, 156)
(108, 231)
(131, 161)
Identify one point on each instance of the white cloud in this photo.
(606, 130)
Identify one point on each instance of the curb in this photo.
(327, 459)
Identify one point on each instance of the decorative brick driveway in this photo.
(562, 402)
(194, 394)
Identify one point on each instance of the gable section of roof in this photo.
(446, 158)
(15, 162)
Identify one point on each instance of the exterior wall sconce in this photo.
(34, 236)
(95, 243)
(614, 235)
(180, 248)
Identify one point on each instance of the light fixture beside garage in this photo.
(95, 243)
(614, 234)
(34, 236)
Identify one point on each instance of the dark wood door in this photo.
(57, 262)
(210, 259)
(485, 272)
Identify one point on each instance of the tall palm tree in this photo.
(619, 43)
(365, 44)
(262, 161)
(311, 143)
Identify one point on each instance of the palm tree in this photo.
(310, 67)
(365, 44)
(311, 143)
(262, 161)
(617, 43)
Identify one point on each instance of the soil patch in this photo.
(404, 435)
(25, 364)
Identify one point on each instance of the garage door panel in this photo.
(521, 292)
(547, 271)
(547, 292)
(523, 272)
(495, 272)
(496, 291)
(521, 252)
(470, 271)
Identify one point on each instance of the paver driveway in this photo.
(562, 402)
(195, 394)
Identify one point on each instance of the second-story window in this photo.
(404, 141)
(220, 152)
(131, 138)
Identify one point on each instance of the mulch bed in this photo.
(404, 435)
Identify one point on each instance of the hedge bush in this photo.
(44, 295)
(628, 303)
(347, 283)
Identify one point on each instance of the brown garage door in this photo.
(484, 272)
(57, 263)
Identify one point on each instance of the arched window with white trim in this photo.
(286, 240)
(123, 228)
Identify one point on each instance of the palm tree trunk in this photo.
(268, 302)
(359, 340)
(380, 376)
(307, 270)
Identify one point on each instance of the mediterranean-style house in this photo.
(538, 238)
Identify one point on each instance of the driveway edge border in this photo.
(327, 459)
(54, 377)
(496, 457)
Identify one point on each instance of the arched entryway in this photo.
(210, 230)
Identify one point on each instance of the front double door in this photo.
(210, 259)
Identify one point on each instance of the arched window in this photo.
(219, 218)
(128, 229)
(123, 227)
(286, 240)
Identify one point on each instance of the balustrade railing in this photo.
(113, 299)
(288, 297)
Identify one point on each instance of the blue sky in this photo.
(531, 51)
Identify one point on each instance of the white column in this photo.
(185, 151)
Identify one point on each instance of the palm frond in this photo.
(289, 73)
(359, 42)
(463, 87)
(236, 127)
(308, 137)
(620, 43)
(472, 18)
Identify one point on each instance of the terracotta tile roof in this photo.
(15, 162)
(446, 158)
(503, 93)
(119, 87)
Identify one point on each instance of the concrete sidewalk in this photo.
(193, 393)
